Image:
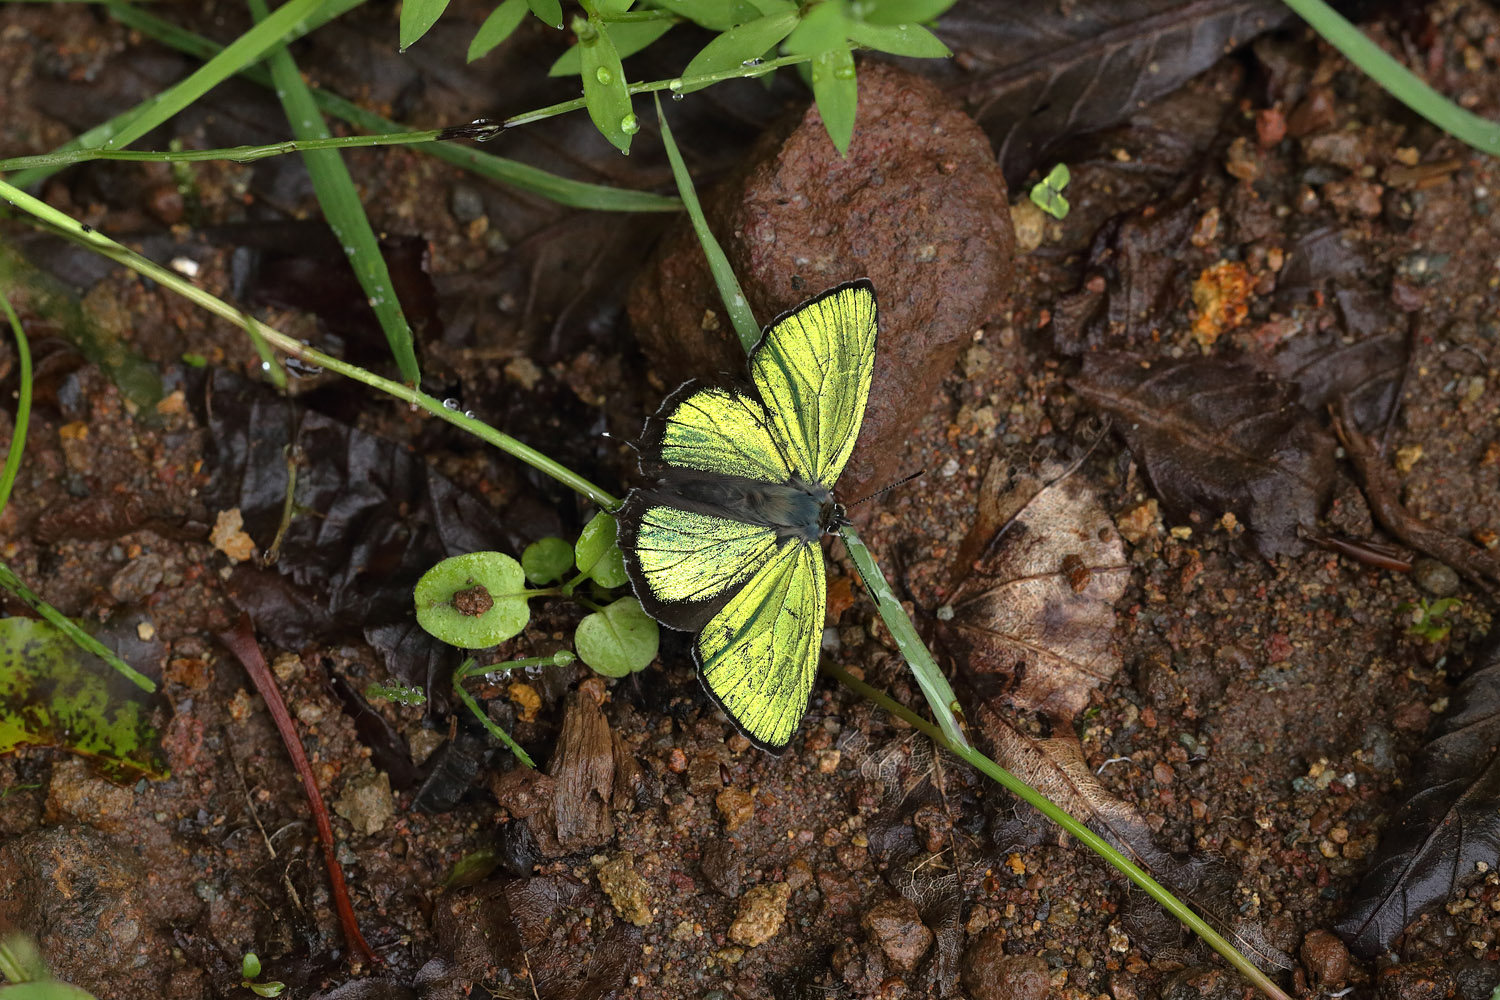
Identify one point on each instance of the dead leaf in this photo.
(1447, 831)
(1217, 437)
(1033, 623)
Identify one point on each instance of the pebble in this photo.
(137, 579)
(1434, 577)
(627, 891)
(896, 926)
(761, 913)
(1030, 224)
(465, 203)
(990, 974)
(1427, 980)
(736, 805)
(76, 793)
(1326, 959)
(366, 802)
(720, 867)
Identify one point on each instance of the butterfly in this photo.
(726, 544)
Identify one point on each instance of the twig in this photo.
(1383, 492)
(241, 642)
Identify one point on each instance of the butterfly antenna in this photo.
(886, 489)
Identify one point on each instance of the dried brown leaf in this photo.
(1217, 437)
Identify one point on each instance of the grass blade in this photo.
(341, 206)
(718, 264)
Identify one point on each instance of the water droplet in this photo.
(678, 97)
(450, 404)
(844, 73)
(265, 366)
(302, 369)
(751, 62)
(674, 85)
(603, 75)
(469, 414)
(817, 77)
(629, 125)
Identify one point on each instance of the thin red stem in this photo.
(241, 642)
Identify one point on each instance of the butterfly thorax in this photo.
(796, 509)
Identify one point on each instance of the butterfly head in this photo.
(832, 516)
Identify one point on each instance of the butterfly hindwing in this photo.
(687, 563)
(758, 655)
(812, 368)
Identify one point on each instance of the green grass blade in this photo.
(246, 49)
(718, 264)
(1400, 82)
(341, 207)
(71, 229)
(123, 12)
(500, 25)
(575, 194)
(23, 405)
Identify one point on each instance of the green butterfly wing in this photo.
(726, 543)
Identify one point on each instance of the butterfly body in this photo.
(726, 543)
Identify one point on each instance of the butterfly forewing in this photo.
(721, 431)
(813, 369)
(759, 654)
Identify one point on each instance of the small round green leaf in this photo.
(619, 639)
(489, 587)
(599, 558)
(546, 560)
(250, 965)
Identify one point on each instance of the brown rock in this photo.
(736, 806)
(918, 206)
(1325, 958)
(720, 867)
(626, 889)
(761, 913)
(990, 974)
(76, 793)
(896, 926)
(1428, 980)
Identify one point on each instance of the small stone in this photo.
(1325, 958)
(896, 926)
(229, 536)
(1355, 197)
(762, 910)
(77, 794)
(137, 579)
(1428, 980)
(1270, 126)
(720, 867)
(737, 806)
(990, 974)
(626, 890)
(528, 703)
(422, 744)
(1242, 161)
(1313, 113)
(466, 203)
(1030, 224)
(1140, 523)
(473, 601)
(1435, 578)
(366, 802)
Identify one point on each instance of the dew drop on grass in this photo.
(751, 62)
(629, 124)
(844, 73)
(678, 97)
(450, 404)
(674, 85)
(469, 414)
(603, 75)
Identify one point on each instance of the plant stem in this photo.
(656, 86)
(23, 405)
(236, 154)
(1056, 814)
(484, 720)
(107, 247)
(1400, 82)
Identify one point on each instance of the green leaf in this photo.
(823, 29)
(904, 11)
(399, 693)
(250, 965)
(599, 558)
(416, 17)
(769, 7)
(473, 868)
(619, 639)
(604, 90)
(741, 44)
(629, 38)
(715, 15)
(547, 560)
(267, 989)
(54, 694)
(473, 577)
(503, 20)
(46, 989)
(899, 40)
(1048, 193)
(836, 92)
(548, 11)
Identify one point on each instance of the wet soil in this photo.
(1266, 709)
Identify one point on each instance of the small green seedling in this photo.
(1048, 193)
(399, 693)
(1427, 620)
(250, 971)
